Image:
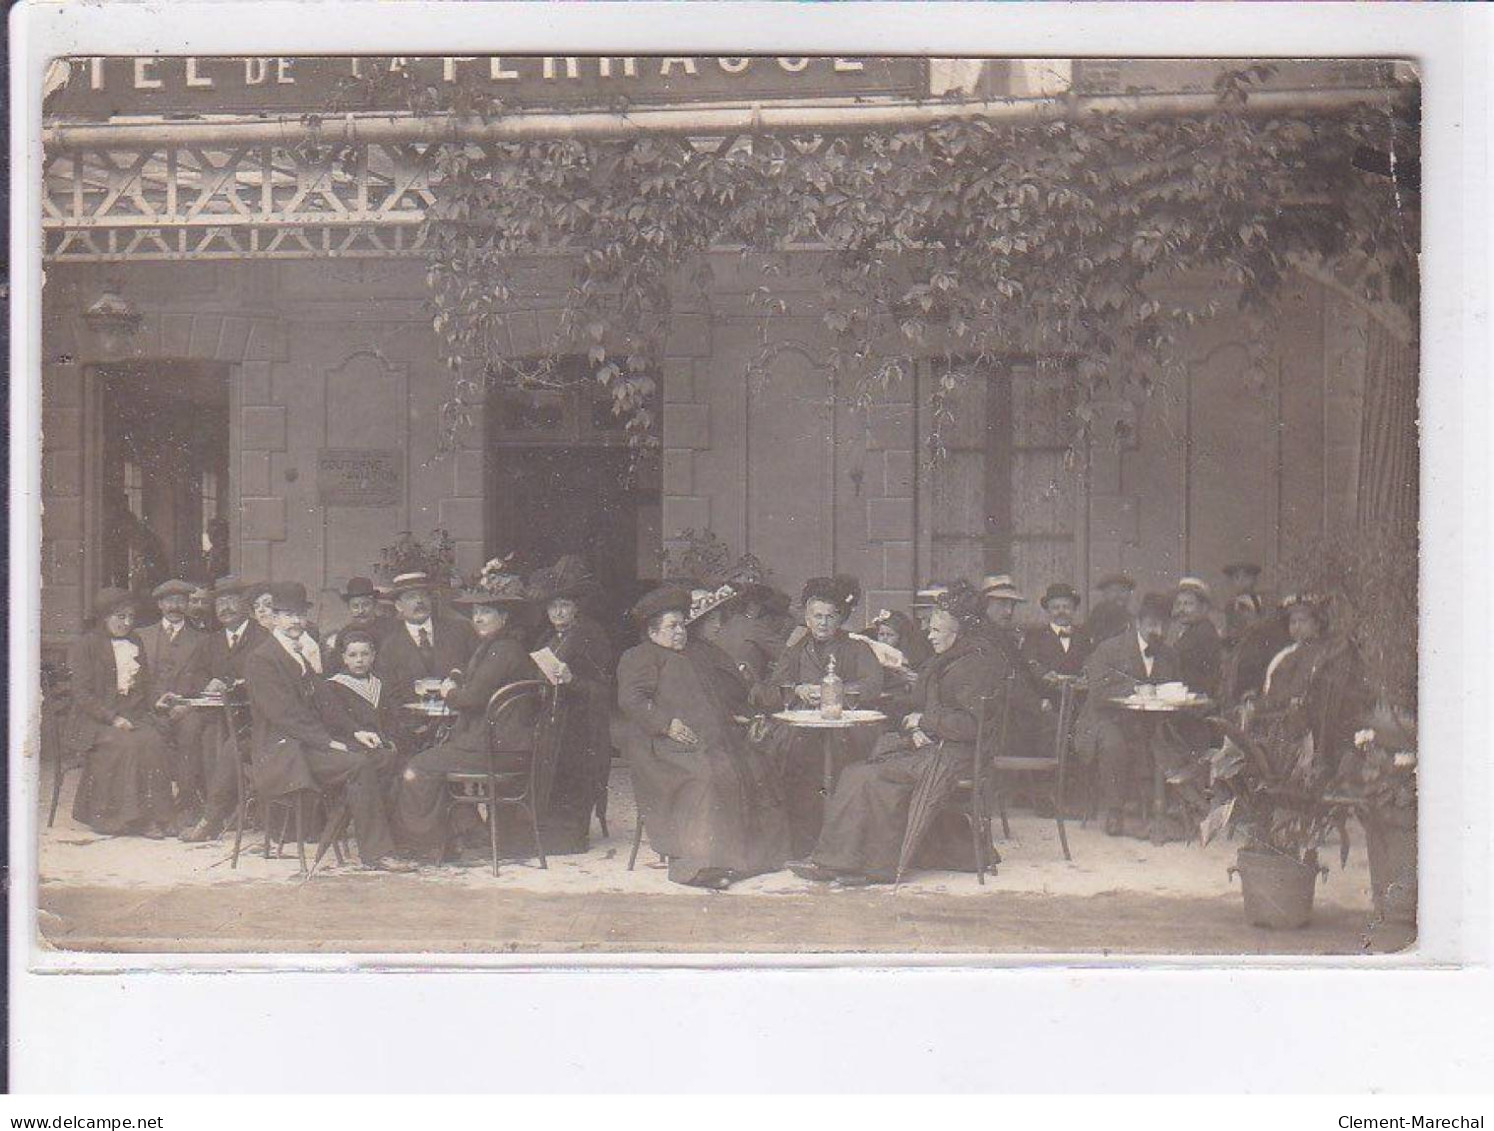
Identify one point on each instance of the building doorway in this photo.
(163, 476)
(562, 480)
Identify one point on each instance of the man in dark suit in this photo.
(171, 656)
(220, 666)
(293, 750)
(362, 600)
(1059, 649)
(421, 644)
(1123, 742)
(1199, 651)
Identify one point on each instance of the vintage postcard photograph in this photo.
(762, 505)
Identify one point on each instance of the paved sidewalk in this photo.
(1118, 895)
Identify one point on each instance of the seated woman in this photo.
(125, 787)
(1316, 683)
(795, 680)
(897, 630)
(867, 818)
(708, 799)
(421, 810)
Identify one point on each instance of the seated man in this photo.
(172, 648)
(795, 681)
(711, 802)
(867, 818)
(1122, 742)
(293, 749)
(221, 665)
(1058, 651)
(422, 813)
(1196, 643)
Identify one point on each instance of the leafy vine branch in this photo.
(1089, 244)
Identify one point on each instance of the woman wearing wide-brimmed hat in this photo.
(586, 698)
(709, 800)
(752, 632)
(125, 787)
(421, 812)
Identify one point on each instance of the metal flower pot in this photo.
(1391, 839)
(1278, 890)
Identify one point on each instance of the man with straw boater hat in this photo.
(293, 750)
(422, 643)
(1194, 638)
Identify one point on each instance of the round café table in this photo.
(835, 731)
(1148, 707)
(440, 718)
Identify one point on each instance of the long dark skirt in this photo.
(422, 804)
(582, 765)
(867, 819)
(125, 784)
(709, 809)
(798, 755)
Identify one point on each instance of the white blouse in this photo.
(126, 664)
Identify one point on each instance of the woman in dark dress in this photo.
(710, 802)
(585, 710)
(125, 787)
(866, 819)
(421, 809)
(898, 630)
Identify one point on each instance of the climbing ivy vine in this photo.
(1090, 242)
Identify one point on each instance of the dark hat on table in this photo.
(1157, 606)
(359, 587)
(568, 578)
(1060, 589)
(288, 597)
(665, 599)
(1241, 569)
(111, 600)
(496, 591)
(176, 587)
(703, 601)
(409, 582)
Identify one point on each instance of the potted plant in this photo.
(434, 556)
(1378, 778)
(1272, 786)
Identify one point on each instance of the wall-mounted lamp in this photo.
(113, 319)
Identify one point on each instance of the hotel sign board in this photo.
(96, 89)
(359, 477)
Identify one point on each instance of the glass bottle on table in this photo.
(832, 693)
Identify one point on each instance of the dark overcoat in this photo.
(714, 805)
(286, 705)
(400, 661)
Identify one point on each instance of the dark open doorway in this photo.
(562, 480)
(164, 472)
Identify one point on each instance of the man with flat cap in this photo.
(293, 749)
(1121, 742)
(220, 666)
(172, 647)
(1111, 614)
